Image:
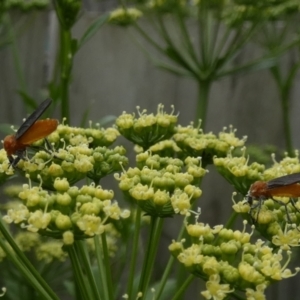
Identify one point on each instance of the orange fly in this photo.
(29, 132)
(285, 186)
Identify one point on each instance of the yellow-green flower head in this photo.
(271, 266)
(169, 6)
(5, 170)
(28, 5)
(50, 251)
(240, 207)
(266, 265)
(165, 148)
(254, 11)
(228, 272)
(69, 212)
(256, 264)
(61, 184)
(63, 222)
(68, 237)
(198, 230)
(230, 138)
(69, 10)
(287, 165)
(237, 171)
(176, 248)
(287, 238)
(124, 17)
(90, 225)
(76, 157)
(27, 240)
(230, 248)
(249, 273)
(191, 256)
(215, 289)
(195, 143)
(107, 161)
(147, 129)
(257, 294)
(210, 265)
(181, 202)
(17, 215)
(161, 186)
(38, 220)
(65, 136)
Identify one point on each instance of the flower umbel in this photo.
(68, 213)
(147, 129)
(216, 290)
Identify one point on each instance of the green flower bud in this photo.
(93, 208)
(226, 234)
(192, 191)
(83, 164)
(61, 185)
(230, 274)
(182, 179)
(69, 10)
(73, 191)
(175, 248)
(87, 190)
(161, 197)
(199, 229)
(211, 266)
(55, 170)
(63, 222)
(63, 199)
(33, 199)
(103, 194)
(208, 250)
(229, 248)
(68, 237)
(265, 217)
(83, 199)
(249, 273)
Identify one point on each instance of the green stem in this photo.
(134, 255)
(106, 260)
(187, 40)
(174, 53)
(24, 260)
(284, 99)
(148, 38)
(184, 286)
(66, 62)
(25, 272)
(169, 266)
(284, 91)
(202, 104)
(17, 61)
(154, 236)
(101, 268)
(85, 293)
(165, 277)
(88, 269)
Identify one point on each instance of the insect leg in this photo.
(254, 206)
(294, 204)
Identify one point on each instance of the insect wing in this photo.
(291, 191)
(33, 118)
(38, 130)
(283, 181)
